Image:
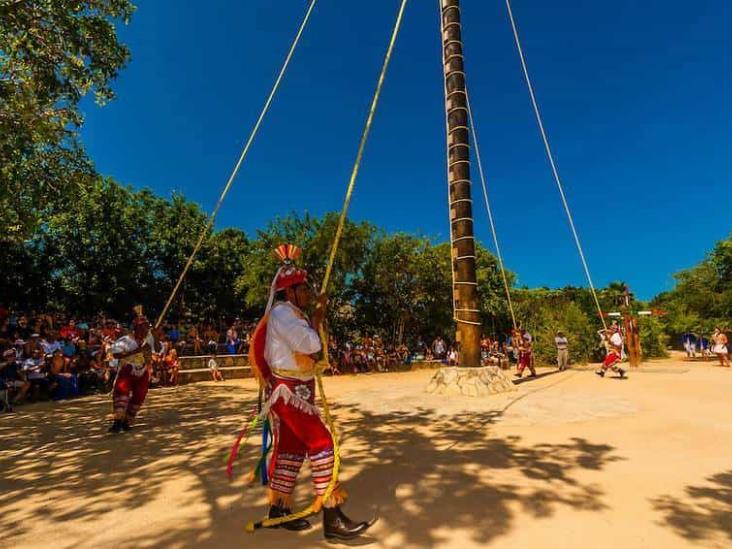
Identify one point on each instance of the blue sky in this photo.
(636, 97)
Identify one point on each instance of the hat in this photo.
(35, 335)
(288, 274)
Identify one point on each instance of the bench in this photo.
(195, 368)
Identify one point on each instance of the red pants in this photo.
(299, 433)
(611, 359)
(524, 361)
(129, 392)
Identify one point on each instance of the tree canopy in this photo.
(52, 53)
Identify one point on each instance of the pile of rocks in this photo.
(475, 382)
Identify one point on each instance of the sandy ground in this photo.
(569, 460)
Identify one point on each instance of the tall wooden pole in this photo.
(465, 288)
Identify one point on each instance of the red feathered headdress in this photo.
(140, 322)
(288, 275)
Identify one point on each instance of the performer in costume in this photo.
(524, 341)
(134, 353)
(282, 352)
(613, 341)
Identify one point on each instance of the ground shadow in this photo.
(527, 379)
(704, 512)
(426, 474)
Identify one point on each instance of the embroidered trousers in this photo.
(299, 433)
(129, 392)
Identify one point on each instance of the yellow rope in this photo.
(315, 506)
(235, 171)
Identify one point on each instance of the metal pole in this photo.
(465, 289)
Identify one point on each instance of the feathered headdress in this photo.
(288, 274)
(140, 318)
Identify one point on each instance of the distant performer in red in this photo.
(524, 341)
(133, 353)
(283, 354)
(613, 341)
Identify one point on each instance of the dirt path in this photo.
(568, 460)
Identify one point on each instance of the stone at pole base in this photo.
(474, 382)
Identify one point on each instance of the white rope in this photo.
(242, 156)
(550, 156)
(488, 209)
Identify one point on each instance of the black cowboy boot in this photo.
(116, 427)
(126, 425)
(293, 525)
(337, 525)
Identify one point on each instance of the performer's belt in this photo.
(302, 389)
(293, 374)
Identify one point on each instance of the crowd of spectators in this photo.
(56, 356)
(372, 354)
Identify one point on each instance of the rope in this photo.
(488, 209)
(553, 165)
(242, 156)
(315, 506)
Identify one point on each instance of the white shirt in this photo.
(127, 344)
(33, 368)
(49, 348)
(561, 342)
(616, 340)
(212, 364)
(288, 332)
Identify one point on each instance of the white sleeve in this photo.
(123, 345)
(296, 332)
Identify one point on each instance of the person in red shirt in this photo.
(70, 331)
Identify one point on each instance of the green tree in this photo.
(702, 297)
(543, 312)
(389, 291)
(97, 244)
(52, 53)
(314, 236)
(653, 338)
(211, 288)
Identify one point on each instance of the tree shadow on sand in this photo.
(426, 474)
(704, 513)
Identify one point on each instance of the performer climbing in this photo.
(523, 339)
(282, 350)
(134, 353)
(613, 341)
